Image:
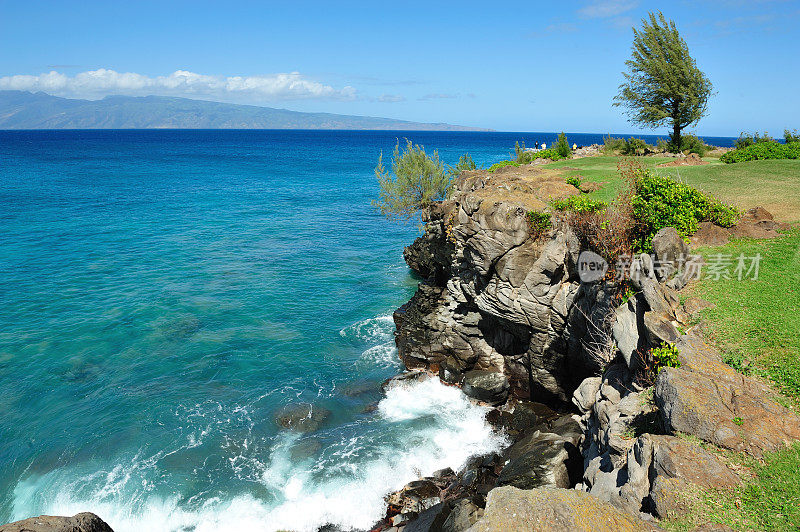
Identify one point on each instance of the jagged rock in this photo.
(670, 249)
(731, 411)
(82, 522)
(535, 461)
(489, 386)
(625, 330)
(660, 329)
(302, 417)
(415, 497)
(584, 396)
(546, 509)
(464, 514)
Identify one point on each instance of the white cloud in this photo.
(607, 8)
(391, 98)
(104, 82)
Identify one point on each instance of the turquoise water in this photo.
(164, 293)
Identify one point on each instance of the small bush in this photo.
(634, 146)
(562, 146)
(762, 150)
(578, 204)
(692, 144)
(746, 139)
(465, 163)
(414, 183)
(660, 202)
(662, 146)
(538, 223)
(665, 356)
(502, 164)
(791, 136)
(574, 180)
(612, 144)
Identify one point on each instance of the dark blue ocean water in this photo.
(164, 293)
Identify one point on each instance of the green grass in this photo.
(772, 184)
(757, 323)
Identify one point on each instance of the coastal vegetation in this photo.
(415, 181)
(762, 149)
(663, 84)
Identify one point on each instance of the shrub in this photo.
(763, 150)
(746, 139)
(692, 144)
(574, 180)
(791, 136)
(465, 163)
(415, 181)
(521, 154)
(660, 202)
(634, 146)
(562, 146)
(502, 164)
(578, 204)
(662, 146)
(665, 356)
(538, 223)
(612, 144)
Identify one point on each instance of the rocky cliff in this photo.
(502, 312)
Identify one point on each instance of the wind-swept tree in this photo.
(415, 181)
(663, 84)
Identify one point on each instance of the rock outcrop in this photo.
(513, 510)
(82, 522)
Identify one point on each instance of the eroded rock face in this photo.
(82, 522)
(496, 296)
(545, 509)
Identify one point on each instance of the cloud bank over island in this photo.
(96, 84)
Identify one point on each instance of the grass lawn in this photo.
(756, 323)
(772, 184)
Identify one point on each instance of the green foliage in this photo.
(538, 223)
(660, 202)
(465, 163)
(763, 150)
(527, 157)
(665, 356)
(634, 146)
(502, 164)
(663, 84)
(746, 139)
(562, 146)
(574, 180)
(662, 146)
(791, 136)
(578, 204)
(415, 181)
(692, 144)
(612, 144)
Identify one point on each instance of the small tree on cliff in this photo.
(415, 181)
(663, 84)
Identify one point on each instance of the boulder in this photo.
(537, 460)
(625, 330)
(82, 522)
(546, 509)
(463, 514)
(731, 411)
(489, 386)
(585, 394)
(670, 251)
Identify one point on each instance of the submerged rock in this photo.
(302, 417)
(82, 522)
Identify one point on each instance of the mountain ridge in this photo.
(27, 110)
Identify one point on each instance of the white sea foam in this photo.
(433, 426)
(373, 330)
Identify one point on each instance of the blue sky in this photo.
(511, 66)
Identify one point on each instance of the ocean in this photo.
(164, 294)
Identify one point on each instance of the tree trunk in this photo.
(676, 136)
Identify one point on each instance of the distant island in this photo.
(26, 110)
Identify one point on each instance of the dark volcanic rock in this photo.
(302, 417)
(489, 386)
(83, 522)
